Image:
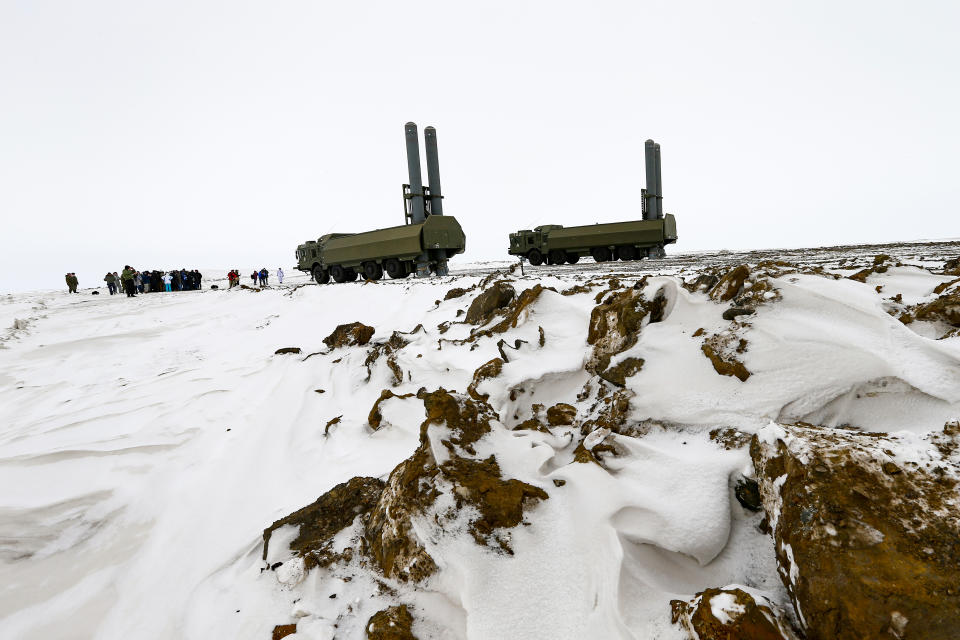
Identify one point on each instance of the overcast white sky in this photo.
(219, 134)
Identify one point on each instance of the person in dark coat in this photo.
(72, 282)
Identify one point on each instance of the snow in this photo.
(725, 608)
(146, 443)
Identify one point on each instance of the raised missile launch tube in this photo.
(659, 215)
(650, 164)
(433, 171)
(413, 167)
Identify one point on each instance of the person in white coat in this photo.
(167, 279)
(280, 274)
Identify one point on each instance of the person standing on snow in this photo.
(280, 275)
(72, 282)
(111, 281)
(253, 276)
(127, 279)
(167, 279)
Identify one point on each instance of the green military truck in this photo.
(556, 244)
(394, 251)
(632, 240)
(421, 246)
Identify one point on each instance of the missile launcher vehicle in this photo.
(422, 245)
(631, 240)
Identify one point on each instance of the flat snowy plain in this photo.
(146, 443)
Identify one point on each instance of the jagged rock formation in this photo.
(491, 300)
(615, 325)
(394, 623)
(319, 522)
(346, 335)
(447, 467)
(722, 351)
(866, 528)
(731, 614)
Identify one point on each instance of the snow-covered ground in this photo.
(146, 443)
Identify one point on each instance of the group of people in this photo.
(263, 276)
(132, 282)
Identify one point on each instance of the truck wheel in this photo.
(372, 271)
(572, 258)
(627, 253)
(535, 257)
(317, 274)
(557, 256)
(338, 273)
(394, 269)
(600, 254)
(349, 274)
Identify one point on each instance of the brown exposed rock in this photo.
(286, 350)
(346, 335)
(491, 369)
(619, 373)
(500, 502)
(940, 288)
(319, 522)
(388, 535)
(721, 354)
(610, 412)
(394, 623)
(374, 418)
(387, 510)
(531, 424)
(730, 438)
(583, 455)
(332, 422)
(512, 316)
(491, 300)
(952, 267)
(615, 324)
(456, 292)
(879, 266)
(730, 284)
(561, 414)
(575, 289)
(744, 619)
(864, 551)
(389, 347)
(733, 312)
(283, 630)
(417, 482)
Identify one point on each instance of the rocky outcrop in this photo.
(456, 292)
(866, 529)
(445, 464)
(321, 521)
(615, 326)
(723, 350)
(561, 414)
(485, 371)
(284, 350)
(731, 614)
(394, 623)
(374, 418)
(730, 284)
(491, 300)
(282, 631)
(347, 335)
